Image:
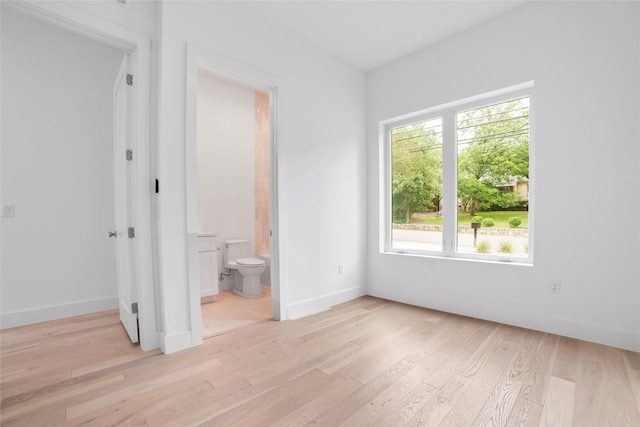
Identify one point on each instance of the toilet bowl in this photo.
(238, 257)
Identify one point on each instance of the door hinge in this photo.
(129, 154)
(157, 186)
(130, 79)
(132, 232)
(134, 307)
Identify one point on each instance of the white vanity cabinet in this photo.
(208, 252)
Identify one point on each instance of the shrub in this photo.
(526, 248)
(488, 222)
(483, 247)
(505, 247)
(514, 221)
(476, 218)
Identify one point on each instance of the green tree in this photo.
(472, 192)
(493, 151)
(416, 183)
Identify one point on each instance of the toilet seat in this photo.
(250, 262)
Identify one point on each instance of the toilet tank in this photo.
(234, 249)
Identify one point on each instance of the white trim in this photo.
(53, 312)
(447, 112)
(139, 46)
(76, 21)
(449, 184)
(202, 59)
(278, 281)
(176, 342)
(384, 196)
(459, 257)
(532, 174)
(325, 302)
(191, 199)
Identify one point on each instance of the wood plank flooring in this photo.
(231, 311)
(368, 362)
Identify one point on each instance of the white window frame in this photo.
(450, 174)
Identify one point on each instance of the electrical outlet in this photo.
(556, 287)
(340, 269)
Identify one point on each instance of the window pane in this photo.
(416, 186)
(493, 179)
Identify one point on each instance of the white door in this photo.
(122, 192)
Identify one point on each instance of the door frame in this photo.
(139, 48)
(230, 69)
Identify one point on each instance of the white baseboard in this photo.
(53, 312)
(325, 302)
(572, 328)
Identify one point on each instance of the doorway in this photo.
(233, 201)
(87, 29)
(262, 231)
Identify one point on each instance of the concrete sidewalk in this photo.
(432, 240)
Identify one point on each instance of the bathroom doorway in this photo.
(233, 159)
(232, 192)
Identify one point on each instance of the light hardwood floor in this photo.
(363, 363)
(231, 311)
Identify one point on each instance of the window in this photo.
(458, 179)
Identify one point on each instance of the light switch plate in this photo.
(7, 210)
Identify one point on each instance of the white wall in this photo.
(584, 58)
(321, 158)
(226, 159)
(57, 170)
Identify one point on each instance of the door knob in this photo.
(113, 234)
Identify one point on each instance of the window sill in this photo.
(458, 257)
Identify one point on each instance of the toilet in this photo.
(237, 256)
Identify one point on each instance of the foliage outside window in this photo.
(458, 180)
(416, 183)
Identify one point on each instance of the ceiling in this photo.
(369, 34)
